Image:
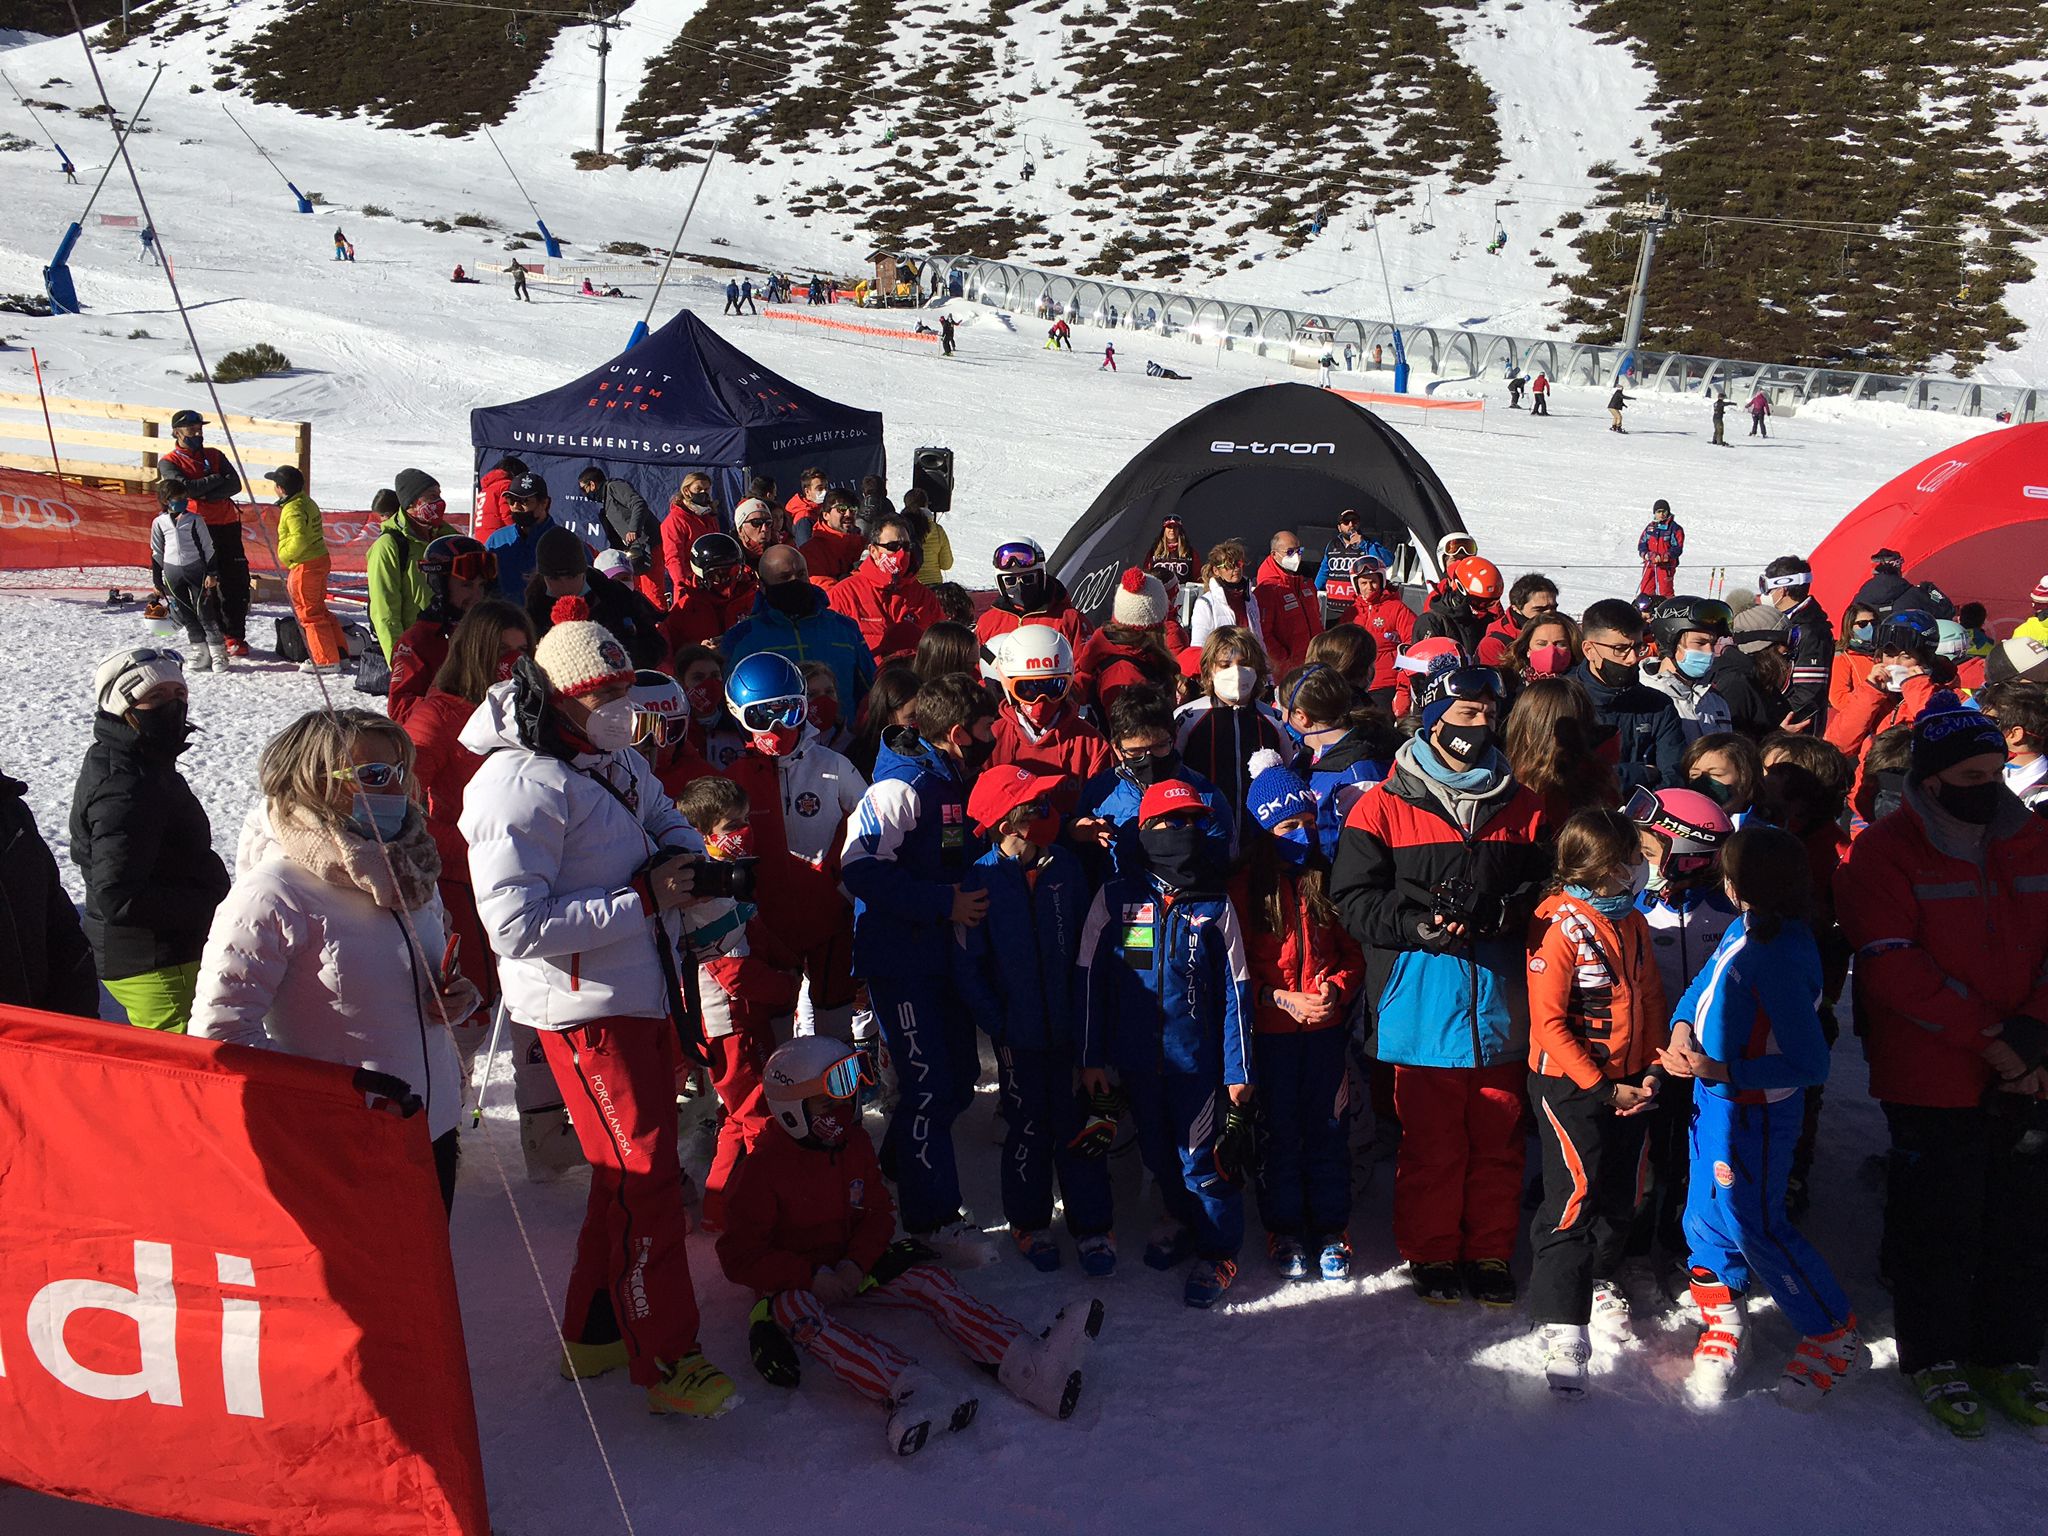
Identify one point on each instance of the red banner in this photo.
(226, 1294)
(46, 523)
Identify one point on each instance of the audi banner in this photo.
(46, 522)
(226, 1294)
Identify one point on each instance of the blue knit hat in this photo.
(1276, 792)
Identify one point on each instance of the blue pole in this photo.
(1400, 366)
(305, 202)
(57, 275)
(554, 246)
(639, 334)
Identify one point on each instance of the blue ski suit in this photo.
(1015, 972)
(1166, 1000)
(908, 844)
(1756, 1007)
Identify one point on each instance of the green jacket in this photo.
(398, 588)
(299, 536)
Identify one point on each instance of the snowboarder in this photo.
(1759, 408)
(1517, 382)
(947, 326)
(1108, 357)
(519, 282)
(732, 296)
(70, 173)
(1326, 368)
(1721, 419)
(1661, 544)
(1616, 404)
(747, 296)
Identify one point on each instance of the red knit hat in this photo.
(1168, 796)
(578, 656)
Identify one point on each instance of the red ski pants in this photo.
(631, 1278)
(1458, 1183)
(736, 1061)
(870, 1365)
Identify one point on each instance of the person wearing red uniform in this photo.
(1028, 593)
(1390, 622)
(833, 551)
(491, 514)
(212, 486)
(1039, 726)
(884, 597)
(721, 593)
(663, 724)
(1290, 613)
(1129, 650)
(691, 515)
(809, 500)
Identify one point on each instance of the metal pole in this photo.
(1632, 328)
(604, 47)
(640, 330)
(121, 138)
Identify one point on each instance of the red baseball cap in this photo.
(1168, 796)
(1003, 787)
(1190, 661)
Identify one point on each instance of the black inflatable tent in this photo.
(683, 399)
(1278, 456)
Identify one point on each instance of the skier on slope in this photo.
(1661, 544)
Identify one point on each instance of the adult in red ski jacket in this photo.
(833, 551)
(212, 486)
(883, 595)
(490, 497)
(719, 593)
(691, 514)
(1290, 613)
(1390, 621)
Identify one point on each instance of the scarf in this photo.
(340, 856)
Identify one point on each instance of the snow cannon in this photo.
(1400, 366)
(305, 202)
(554, 246)
(57, 275)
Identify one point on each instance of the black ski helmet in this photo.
(1675, 616)
(454, 554)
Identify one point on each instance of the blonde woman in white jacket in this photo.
(1225, 598)
(331, 942)
(577, 858)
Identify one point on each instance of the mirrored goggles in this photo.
(474, 565)
(766, 714)
(1016, 557)
(1036, 690)
(664, 728)
(1472, 683)
(843, 1080)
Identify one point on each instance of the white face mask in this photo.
(1895, 677)
(1233, 684)
(1291, 561)
(1638, 879)
(610, 727)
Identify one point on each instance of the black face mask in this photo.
(789, 597)
(1615, 674)
(1468, 743)
(1150, 770)
(1713, 789)
(1179, 856)
(975, 755)
(1972, 804)
(1234, 588)
(164, 727)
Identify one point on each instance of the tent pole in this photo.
(640, 330)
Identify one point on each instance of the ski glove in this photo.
(1099, 1115)
(840, 1282)
(774, 1356)
(900, 1257)
(1235, 1148)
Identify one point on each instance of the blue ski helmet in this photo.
(767, 696)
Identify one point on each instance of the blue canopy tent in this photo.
(683, 399)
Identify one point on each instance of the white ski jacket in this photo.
(553, 853)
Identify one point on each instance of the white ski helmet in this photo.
(1454, 546)
(804, 1068)
(659, 708)
(1035, 664)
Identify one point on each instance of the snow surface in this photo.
(1342, 1405)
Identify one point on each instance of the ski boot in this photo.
(1207, 1282)
(1098, 1255)
(201, 659)
(1169, 1246)
(1038, 1249)
(694, 1388)
(1948, 1396)
(1437, 1284)
(1289, 1257)
(1335, 1259)
(1820, 1361)
(1045, 1372)
(1489, 1282)
(1717, 1356)
(916, 1402)
(221, 651)
(2018, 1393)
(1611, 1319)
(1567, 1352)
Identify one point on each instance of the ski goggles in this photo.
(1038, 690)
(1466, 683)
(766, 714)
(474, 565)
(660, 726)
(372, 776)
(1647, 811)
(1016, 557)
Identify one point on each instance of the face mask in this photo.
(1612, 907)
(1234, 588)
(1293, 846)
(379, 817)
(1695, 664)
(777, 741)
(737, 844)
(1549, 660)
(1895, 678)
(1972, 804)
(704, 698)
(1638, 879)
(828, 1129)
(975, 755)
(789, 597)
(1654, 881)
(824, 711)
(1150, 770)
(1233, 685)
(697, 501)
(610, 726)
(1713, 789)
(1291, 561)
(815, 498)
(1467, 743)
(524, 516)
(1861, 636)
(164, 726)
(1615, 674)
(894, 563)
(1177, 855)
(1043, 829)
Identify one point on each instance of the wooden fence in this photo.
(136, 434)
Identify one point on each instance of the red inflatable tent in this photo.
(1973, 519)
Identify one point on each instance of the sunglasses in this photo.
(769, 713)
(144, 658)
(1015, 557)
(371, 775)
(892, 545)
(757, 522)
(1033, 690)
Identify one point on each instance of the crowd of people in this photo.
(741, 804)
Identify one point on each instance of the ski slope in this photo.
(1309, 1405)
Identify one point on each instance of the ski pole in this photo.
(490, 1052)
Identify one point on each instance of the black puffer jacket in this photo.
(631, 619)
(44, 959)
(142, 839)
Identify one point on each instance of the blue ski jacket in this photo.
(1164, 985)
(1015, 970)
(908, 843)
(1756, 1006)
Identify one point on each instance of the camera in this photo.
(1458, 900)
(724, 877)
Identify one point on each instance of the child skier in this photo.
(1661, 545)
(1748, 1032)
(181, 550)
(1014, 973)
(1306, 972)
(810, 1229)
(1346, 747)
(1166, 1001)
(1596, 1023)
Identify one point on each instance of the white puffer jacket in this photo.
(552, 856)
(321, 970)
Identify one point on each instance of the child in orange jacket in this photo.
(1596, 1022)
